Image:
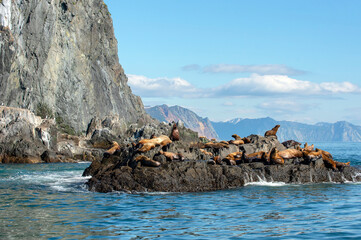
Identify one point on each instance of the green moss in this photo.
(63, 126)
(43, 110)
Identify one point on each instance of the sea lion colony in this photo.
(210, 151)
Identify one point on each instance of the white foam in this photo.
(268, 184)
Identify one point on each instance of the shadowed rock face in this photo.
(64, 54)
(197, 173)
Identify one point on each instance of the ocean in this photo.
(50, 201)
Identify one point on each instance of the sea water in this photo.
(50, 201)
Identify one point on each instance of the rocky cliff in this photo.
(59, 58)
(190, 119)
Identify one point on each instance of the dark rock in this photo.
(201, 173)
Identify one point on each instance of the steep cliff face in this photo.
(62, 55)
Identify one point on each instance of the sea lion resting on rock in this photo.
(174, 136)
(272, 132)
(290, 153)
(216, 145)
(254, 157)
(148, 144)
(206, 153)
(172, 156)
(308, 148)
(236, 156)
(146, 161)
(115, 147)
(238, 140)
(275, 158)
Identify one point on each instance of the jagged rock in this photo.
(259, 143)
(198, 173)
(24, 137)
(60, 58)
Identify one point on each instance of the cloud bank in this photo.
(266, 69)
(255, 85)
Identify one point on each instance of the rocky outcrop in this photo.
(24, 137)
(59, 58)
(199, 170)
(190, 119)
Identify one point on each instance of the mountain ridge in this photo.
(340, 131)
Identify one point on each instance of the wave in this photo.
(264, 183)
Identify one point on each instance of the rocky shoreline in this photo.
(203, 167)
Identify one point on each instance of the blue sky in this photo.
(290, 60)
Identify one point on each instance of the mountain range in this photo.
(341, 131)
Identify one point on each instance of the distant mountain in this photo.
(332, 132)
(320, 132)
(191, 120)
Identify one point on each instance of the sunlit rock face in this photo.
(63, 54)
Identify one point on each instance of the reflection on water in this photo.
(50, 201)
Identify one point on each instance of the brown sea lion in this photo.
(290, 153)
(174, 136)
(146, 161)
(206, 153)
(330, 163)
(324, 152)
(253, 157)
(216, 145)
(148, 144)
(246, 140)
(236, 137)
(237, 140)
(115, 147)
(217, 160)
(311, 155)
(308, 148)
(172, 156)
(275, 158)
(272, 132)
(235, 156)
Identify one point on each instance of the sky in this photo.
(296, 60)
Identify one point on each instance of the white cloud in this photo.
(255, 85)
(280, 84)
(191, 67)
(280, 106)
(161, 87)
(267, 69)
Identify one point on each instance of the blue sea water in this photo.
(50, 201)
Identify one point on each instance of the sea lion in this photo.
(308, 148)
(217, 160)
(236, 137)
(206, 153)
(237, 140)
(174, 136)
(291, 143)
(275, 158)
(115, 147)
(272, 132)
(253, 157)
(246, 140)
(146, 161)
(311, 155)
(324, 152)
(172, 156)
(290, 153)
(148, 144)
(236, 156)
(215, 145)
(330, 163)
